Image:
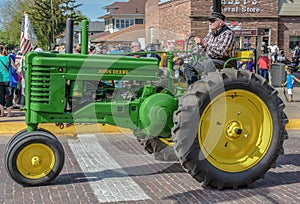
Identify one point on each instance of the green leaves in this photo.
(48, 19)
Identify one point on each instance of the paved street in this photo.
(113, 168)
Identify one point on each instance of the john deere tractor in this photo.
(227, 129)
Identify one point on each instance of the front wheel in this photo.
(34, 158)
(229, 129)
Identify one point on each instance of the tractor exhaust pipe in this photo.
(69, 35)
(84, 36)
(217, 6)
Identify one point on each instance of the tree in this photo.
(11, 20)
(48, 19)
(51, 16)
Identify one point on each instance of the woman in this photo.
(6, 92)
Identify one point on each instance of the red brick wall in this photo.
(152, 20)
(152, 13)
(174, 19)
(288, 26)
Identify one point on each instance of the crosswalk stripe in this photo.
(107, 179)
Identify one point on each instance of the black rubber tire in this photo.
(20, 134)
(160, 150)
(187, 120)
(23, 141)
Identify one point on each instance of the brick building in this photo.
(169, 23)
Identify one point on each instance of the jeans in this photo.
(263, 72)
(204, 67)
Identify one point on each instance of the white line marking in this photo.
(107, 179)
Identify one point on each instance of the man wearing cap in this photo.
(218, 45)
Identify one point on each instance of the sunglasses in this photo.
(212, 20)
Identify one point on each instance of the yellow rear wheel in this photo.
(229, 129)
(240, 137)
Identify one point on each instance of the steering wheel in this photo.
(193, 51)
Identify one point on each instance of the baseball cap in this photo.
(216, 15)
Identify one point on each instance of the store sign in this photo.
(234, 25)
(245, 32)
(262, 31)
(240, 6)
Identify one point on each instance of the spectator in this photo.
(15, 79)
(263, 64)
(6, 92)
(274, 52)
(113, 50)
(77, 48)
(294, 64)
(296, 53)
(289, 83)
(264, 47)
(136, 47)
(250, 66)
(151, 48)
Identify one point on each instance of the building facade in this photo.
(120, 15)
(170, 23)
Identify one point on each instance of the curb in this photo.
(10, 128)
(293, 124)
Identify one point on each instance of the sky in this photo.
(93, 8)
(90, 8)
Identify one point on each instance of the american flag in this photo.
(28, 38)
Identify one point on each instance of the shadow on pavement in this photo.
(284, 176)
(142, 170)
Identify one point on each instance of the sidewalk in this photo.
(11, 125)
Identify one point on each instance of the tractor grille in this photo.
(40, 85)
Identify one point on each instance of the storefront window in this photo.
(294, 40)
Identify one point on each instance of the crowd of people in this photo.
(268, 56)
(10, 82)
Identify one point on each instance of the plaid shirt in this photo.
(220, 46)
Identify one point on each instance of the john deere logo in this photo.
(60, 69)
(113, 71)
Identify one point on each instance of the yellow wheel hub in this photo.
(35, 161)
(235, 130)
(168, 141)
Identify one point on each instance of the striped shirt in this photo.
(220, 44)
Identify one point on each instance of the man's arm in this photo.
(223, 46)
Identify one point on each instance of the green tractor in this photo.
(227, 129)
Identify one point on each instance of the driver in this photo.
(218, 46)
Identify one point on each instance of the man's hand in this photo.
(199, 41)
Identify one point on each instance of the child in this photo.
(290, 83)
